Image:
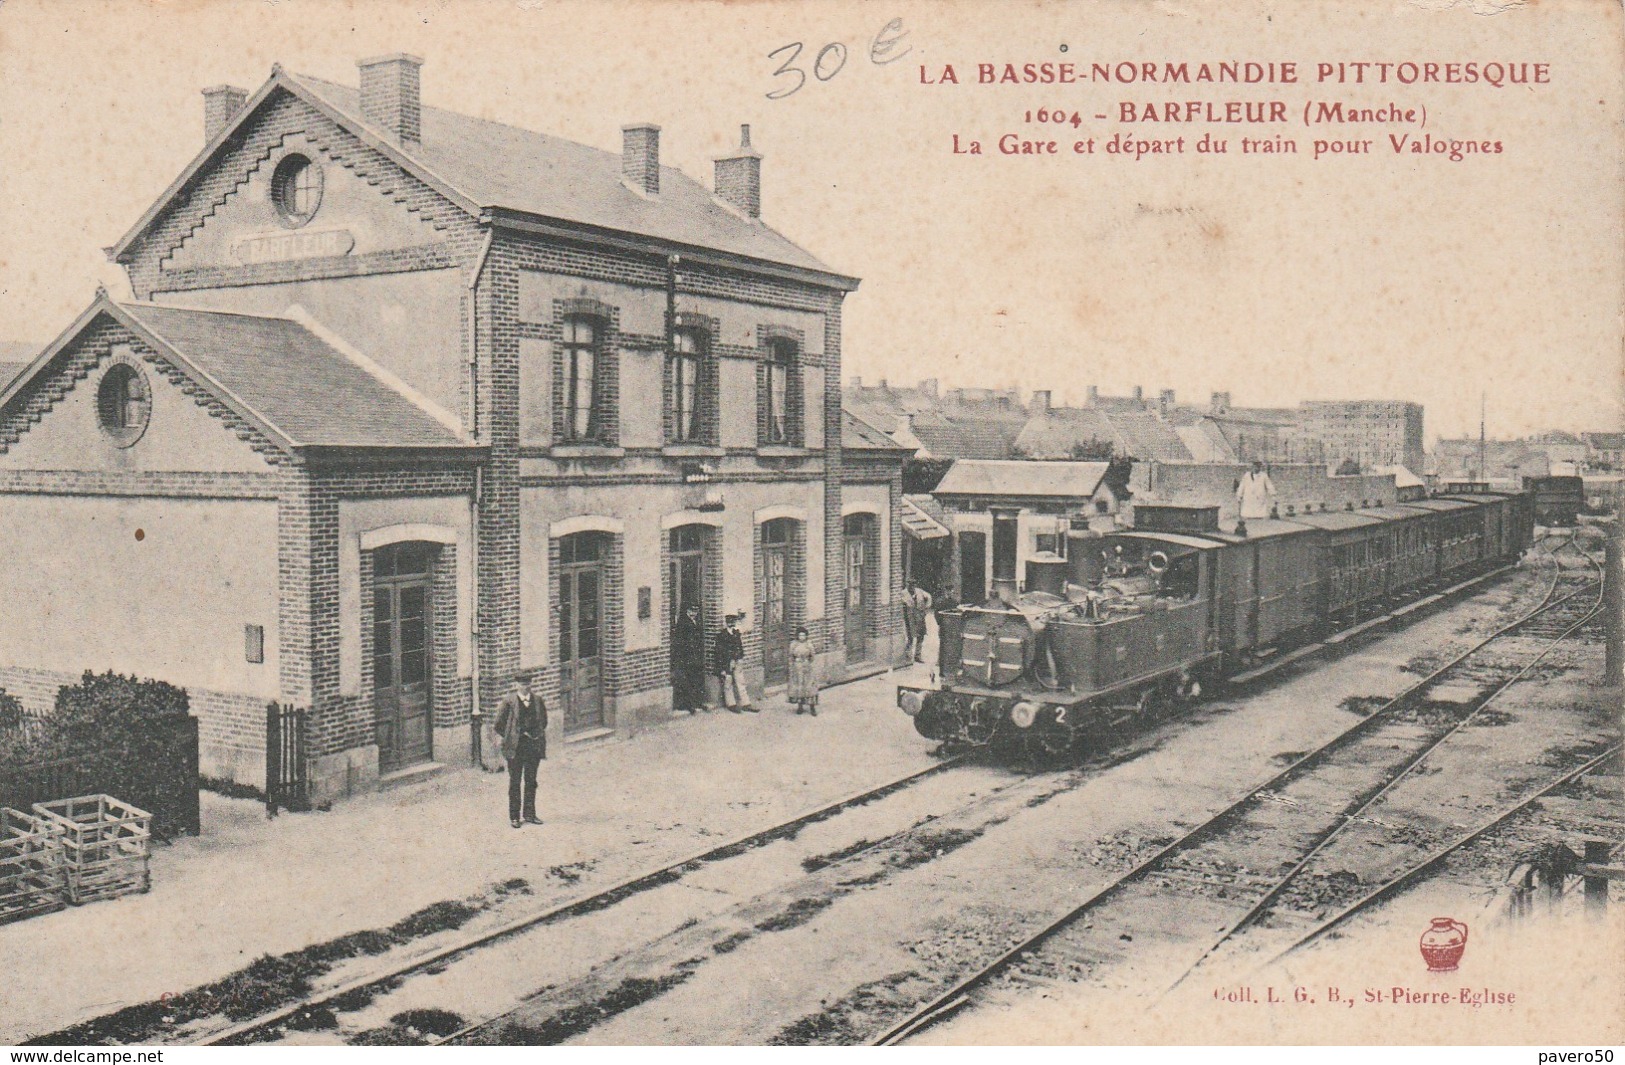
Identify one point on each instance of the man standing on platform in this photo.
(916, 607)
(522, 724)
(688, 661)
(728, 651)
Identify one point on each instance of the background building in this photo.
(1367, 433)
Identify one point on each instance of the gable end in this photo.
(236, 162)
(89, 350)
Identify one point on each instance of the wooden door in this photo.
(776, 536)
(581, 631)
(859, 609)
(401, 658)
(687, 578)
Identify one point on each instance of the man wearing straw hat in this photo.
(728, 662)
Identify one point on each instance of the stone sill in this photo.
(587, 451)
(692, 451)
(782, 451)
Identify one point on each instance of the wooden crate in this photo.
(33, 878)
(105, 845)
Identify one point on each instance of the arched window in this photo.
(688, 351)
(781, 357)
(582, 417)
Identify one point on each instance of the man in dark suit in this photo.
(688, 661)
(728, 654)
(522, 724)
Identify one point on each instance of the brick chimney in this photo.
(1165, 401)
(640, 157)
(929, 387)
(1093, 395)
(1139, 393)
(390, 97)
(1041, 401)
(739, 177)
(220, 105)
(1220, 402)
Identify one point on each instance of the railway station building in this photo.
(406, 402)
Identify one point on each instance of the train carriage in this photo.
(1411, 562)
(1499, 512)
(1150, 616)
(1354, 551)
(1269, 582)
(1458, 533)
(1556, 501)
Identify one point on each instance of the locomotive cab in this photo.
(1044, 666)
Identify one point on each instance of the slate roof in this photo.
(859, 435)
(304, 389)
(1606, 441)
(1053, 433)
(1206, 442)
(1403, 478)
(488, 165)
(274, 372)
(1019, 478)
(966, 436)
(1132, 434)
(1147, 437)
(498, 165)
(485, 165)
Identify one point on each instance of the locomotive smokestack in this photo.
(1004, 553)
(1083, 561)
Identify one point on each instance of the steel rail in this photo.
(1346, 819)
(958, 994)
(1394, 884)
(599, 899)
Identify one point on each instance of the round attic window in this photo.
(296, 189)
(123, 404)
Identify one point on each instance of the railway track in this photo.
(1198, 857)
(268, 1025)
(1437, 857)
(1551, 623)
(250, 1031)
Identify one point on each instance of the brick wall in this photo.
(501, 328)
(310, 617)
(231, 726)
(285, 115)
(886, 631)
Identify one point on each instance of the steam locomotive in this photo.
(1137, 621)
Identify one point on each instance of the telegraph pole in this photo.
(1483, 469)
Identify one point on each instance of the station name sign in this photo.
(302, 244)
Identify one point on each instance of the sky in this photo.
(1276, 278)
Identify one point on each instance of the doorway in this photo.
(402, 613)
(582, 558)
(688, 581)
(777, 536)
(861, 585)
